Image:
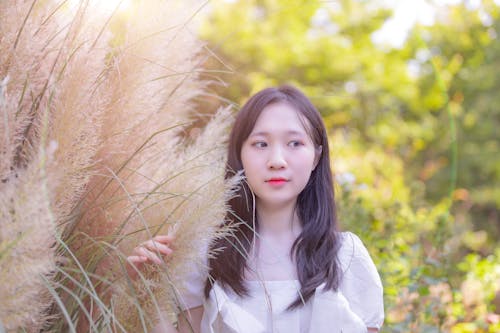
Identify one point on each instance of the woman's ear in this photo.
(318, 152)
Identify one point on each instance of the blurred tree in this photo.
(413, 134)
(325, 48)
(463, 56)
(420, 102)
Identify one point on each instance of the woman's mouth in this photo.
(277, 181)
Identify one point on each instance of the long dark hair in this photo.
(315, 249)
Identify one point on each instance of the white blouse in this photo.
(356, 305)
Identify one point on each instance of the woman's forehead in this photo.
(280, 117)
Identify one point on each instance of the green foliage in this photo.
(465, 53)
(415, 145)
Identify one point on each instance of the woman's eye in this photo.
(294, 143)
(259, 144)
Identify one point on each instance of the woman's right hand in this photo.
(149, 252)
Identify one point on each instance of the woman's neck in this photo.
(278, 220)
(279, 227)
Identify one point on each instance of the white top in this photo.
(356, 305)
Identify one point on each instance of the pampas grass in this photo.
(96, 158)
(27, 217)
(27, 253)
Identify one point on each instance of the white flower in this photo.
(345, 178)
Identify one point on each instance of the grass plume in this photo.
(95, 157)
(27, 251)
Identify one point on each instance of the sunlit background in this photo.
(408, 90)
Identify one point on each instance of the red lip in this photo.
(277, 180)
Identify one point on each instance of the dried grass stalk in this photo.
(148, 179)
(80, 97)
(27, 252)
(27, 218)
(122, 167)
(190, 203)
(25, 66)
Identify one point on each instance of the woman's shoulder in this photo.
(353, 255)
(360, 281)
(351, 248)
(356, 263)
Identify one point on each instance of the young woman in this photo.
(287, 269)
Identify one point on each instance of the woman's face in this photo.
(278, 156)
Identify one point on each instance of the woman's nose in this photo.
(276, 159)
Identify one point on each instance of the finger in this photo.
(165, 239)
(136, 260)
(134, 264)
(149, 255)
(155, 246)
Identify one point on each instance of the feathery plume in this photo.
(116, 109)
(27, 251)
(194, 207)
(27, 219)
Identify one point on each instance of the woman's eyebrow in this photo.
(294, 132)
(266, 133)
(260, 133)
